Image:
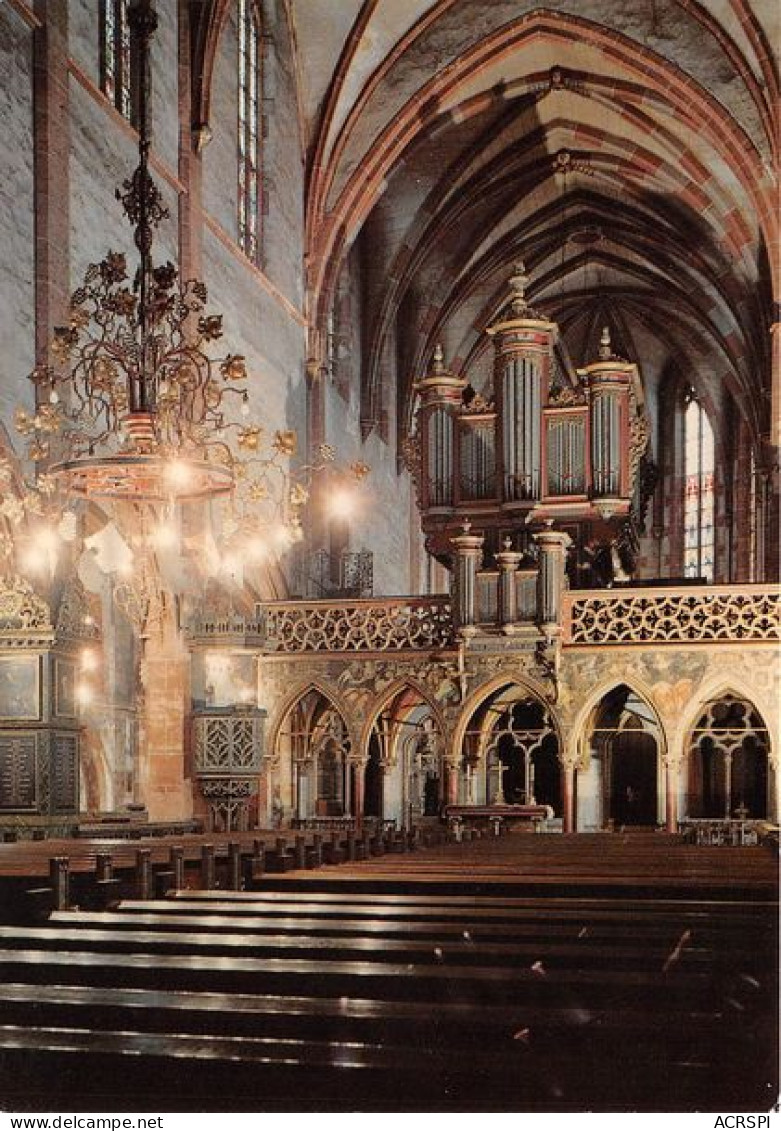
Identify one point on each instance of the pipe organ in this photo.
(547, 444)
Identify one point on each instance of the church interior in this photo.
(389, 554)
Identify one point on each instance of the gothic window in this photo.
(117, 71)
(698, 514)
(249, 130)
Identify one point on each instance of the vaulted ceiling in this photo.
(626, 152)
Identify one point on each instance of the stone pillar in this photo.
(568, 797)
(451, 783)
(359, 771)
(166, 790)
(469, 553)
(551, 578)
(347, 801)
(508, 561)
(672, 769)
(727, 784)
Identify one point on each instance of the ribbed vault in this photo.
(625, 152)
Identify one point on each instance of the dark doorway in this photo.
(633, 793)
(547, 775)
(372, 782)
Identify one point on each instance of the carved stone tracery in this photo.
(675, 617)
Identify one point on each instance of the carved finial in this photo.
(519, 281)
(605, 348)
(439, 358)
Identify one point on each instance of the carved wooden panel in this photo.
(65, 772)
(17, 771)
(227, 744)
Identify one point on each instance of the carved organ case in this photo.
(552, 444)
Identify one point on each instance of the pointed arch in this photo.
(294, 697)
(475, 700)
(721, 687)
(596, 696)
(402, 757)
(387, 697)
(622, 745)
(727, 757)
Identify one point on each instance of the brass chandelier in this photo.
(135, 410)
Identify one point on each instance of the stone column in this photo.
(359, 772)
(166, 679)
(347, 801)
(672, 769)
(568, 797)
(551, 578)
(451, 786)
(727, 784)
(508, 561)
(469, 553)
(51, 123)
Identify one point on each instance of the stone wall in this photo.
(17, 267)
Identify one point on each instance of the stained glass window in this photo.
(249, 130)
(116, 57)
(699, 540)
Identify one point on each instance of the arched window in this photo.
(249, 130)
(698, 545)
(117, 70)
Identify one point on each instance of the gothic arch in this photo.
(334, 229)
(622, 750)
(720, 688)
(508, 747)
(643, 691)
(379, 705)
(728, 767)
(403, 773)
(291, 700)
(485, 690)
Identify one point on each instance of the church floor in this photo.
(523, 973)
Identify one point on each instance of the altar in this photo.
(499, 815)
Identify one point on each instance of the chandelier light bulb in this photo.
(88, 660)
(54, 397)
(245, 405)
(164, 536)
(281, 537)
(256, 549)
(84, 694)
(341, 504)
(177, 474)
(36, 560)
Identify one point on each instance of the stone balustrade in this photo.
(393, 624)
(700, 614)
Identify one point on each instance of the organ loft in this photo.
(389, 421)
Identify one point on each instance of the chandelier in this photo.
(134, 407)
(137, 409)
